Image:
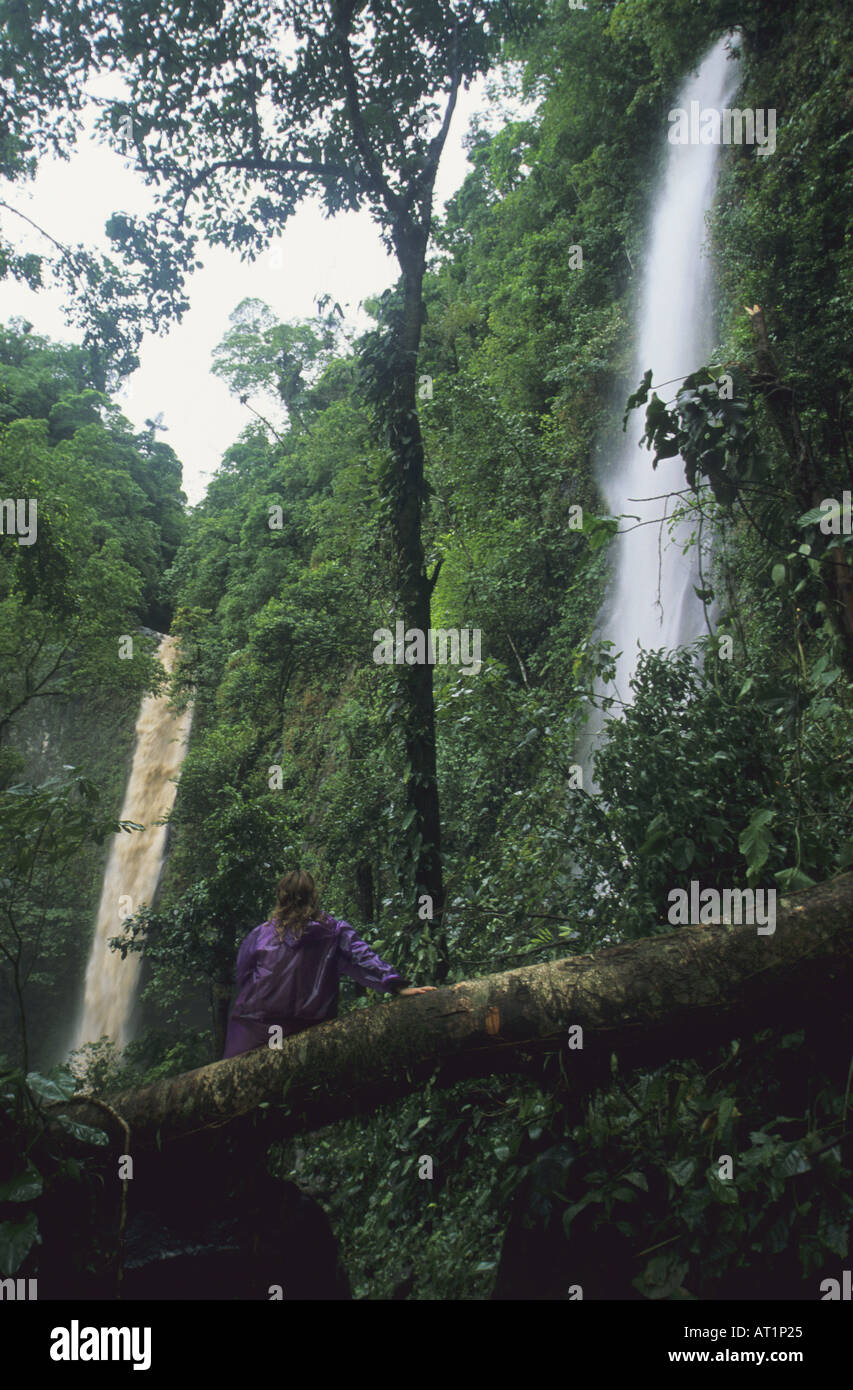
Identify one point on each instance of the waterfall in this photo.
(652, 601)
(135, 862)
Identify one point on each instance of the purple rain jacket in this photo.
(293, 982)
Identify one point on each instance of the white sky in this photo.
(342, 257)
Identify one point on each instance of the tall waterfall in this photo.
(652, 602)
(135, 862)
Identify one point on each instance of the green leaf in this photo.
(639, 1180)
(23, 1187)
(830, 515)
(16, 1240)
(656, 833)
(793, 880)
(572, 1211)
(834, 1236)
(59, 1085)
(779, 1235)
(662, 1276)
(724, 1114)
(724, 1190)
(85, 1133)
(754, 842)
(682, 1172)
(746, 687)
(794, 1163)
(683, 853)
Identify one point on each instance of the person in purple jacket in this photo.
(288, 968)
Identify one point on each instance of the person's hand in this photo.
(422, 989)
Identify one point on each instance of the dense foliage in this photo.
(108, 521)
(735, 768)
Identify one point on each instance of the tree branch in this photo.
(372, 166)
(319, 167)
(425, 180)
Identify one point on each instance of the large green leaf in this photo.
(754, 842)
(57, 1086)
(85, 1133)
(24, 1187)
(16, 1240)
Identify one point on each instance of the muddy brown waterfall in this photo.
(134, 864)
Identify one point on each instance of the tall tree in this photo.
(237, 113)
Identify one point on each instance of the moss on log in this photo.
(665, 996)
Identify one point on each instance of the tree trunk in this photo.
(405, 490)
(660, 998)
(220, 1008)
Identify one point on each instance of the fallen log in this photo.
(667, 996)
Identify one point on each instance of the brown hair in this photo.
(297, 903)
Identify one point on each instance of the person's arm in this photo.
(356, 960)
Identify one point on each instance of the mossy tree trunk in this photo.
(662, 997)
